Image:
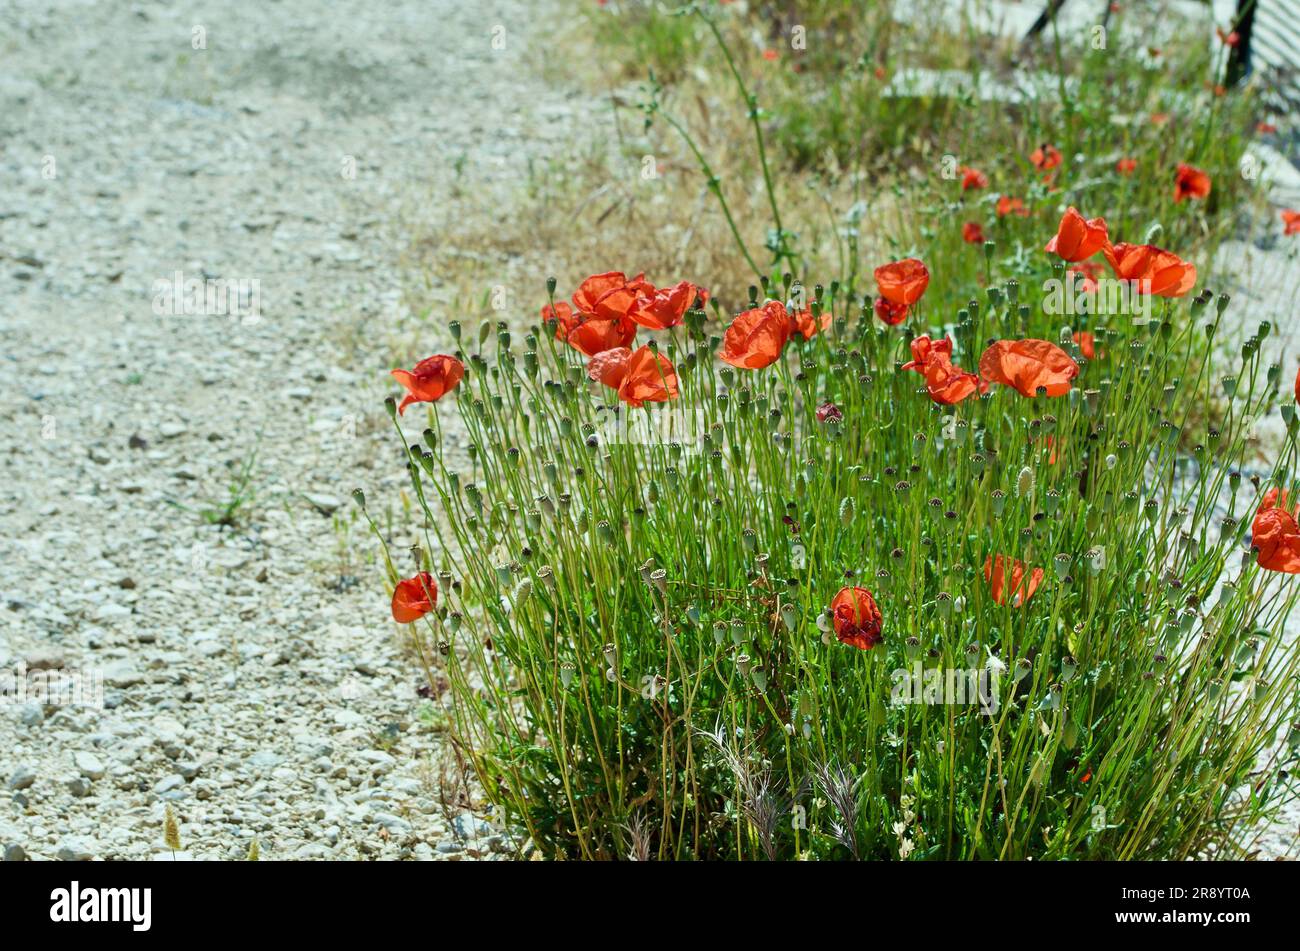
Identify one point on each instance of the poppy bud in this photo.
(846, 510)
(523, 590)
(1025, 483)
(359, 497)
(824, 621)
(1023, 667)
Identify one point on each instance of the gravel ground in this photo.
(252, 678)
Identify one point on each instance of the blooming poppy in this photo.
(614, 289)
(924, 350)
(1290, 221)
(972, 232)
(756, 337)
(856, 618)
(891, 313)
(1029, 365)
(564, 317)
(902, 282)
(643, 376)
(1276, 498)
(430, 380)
(1190, 182)
(803, 323)
(1276, 536)
(1011, 206)
(1077, 238)
(594, 335)
(948, 383)
(1020, 591)
(1087, 344)
(1126, 166)
(1045, 157)
(829, 413)
(414, 597)
(665, 307)
(1151, 270)
(972, 178)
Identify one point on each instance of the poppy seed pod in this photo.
(610, 653)
(743, 664)
(789, 616)
(738, 633)
(719, 632)
(659, 580)
(1023, 667)
(1062, 565)
(1069, 668)
(567, 670)
(759, 678)
(912, 648)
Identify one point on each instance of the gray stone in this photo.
(22, 778)
(76, 849)
(15, 853)
(89, 765)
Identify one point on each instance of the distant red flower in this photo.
(1277, 537)
(1190, 182)
(856, 618)
(903, 282)
(1018, 592)
(1077, 238)
(972, 178)
(1045, 157)
(665, 307)
(756, 337)
(430, 380)
(803, 323)
(1290, 221)
(1011, 206)
(1159, 118)
(643, 376)
(890, 313)
(1087, 344)
(414, 597)
(1126, 166)
(1226, 38)
(1029, 365)
(1265, 128)
(829, 412)
(972, 232)
(770, 54)
(1151, 270)
(1297, 387)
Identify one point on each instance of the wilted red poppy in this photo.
(1011, 206)
(947, 383)
(1190, 182)
(1045, 157)
(1087, 344)
(1290, 221)
(1126, 166)
(1277, 536)
(890, 312)
(828, 413)
(564, 317)
(1151, 270)
(856, 618)
(1019, 591)
(665, 307)
(430, 380)
(593, 335)
(902, 282)
(924, 350)
(972, 178)
(803, 323)
(1028, 365)
(972, 232)
(1077, 238)
(756, 337)
(414, 597)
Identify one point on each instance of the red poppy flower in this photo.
(756, 337)
(596, 287)
(892, 314)
(972, 232)
(564, 317)
(1087, 344)
(1276, 498)
(1190, 182)
(1077, 238)
(829, 412)
(803, 323)
(1277, 536)
(972, 178)
(1028, 365)
(1290, 221)
(1011, 206)
(924, 350)
(1126, 166)
(947, 383)
(430, 380)
(665, 307)
(903, 282)
(1265, 128)
(414, 597)
(1019, 591)
(770, 54)
(1297, 387)
(1151, 270)
(856, 618)
(593, 335)
(1226, 38)
(650, 379)
(1159, 118)
(615, 289)
(1045, 157)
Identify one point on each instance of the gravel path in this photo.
(252, 678)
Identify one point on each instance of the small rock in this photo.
(76, 850)
(78, 786)
(172, 430)
(394, 824)
(22, 778)
(325, 504)
(88, 764)
(167, 784)
(15, 853)
(468, 827)
(44, 658)
(122, 673)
